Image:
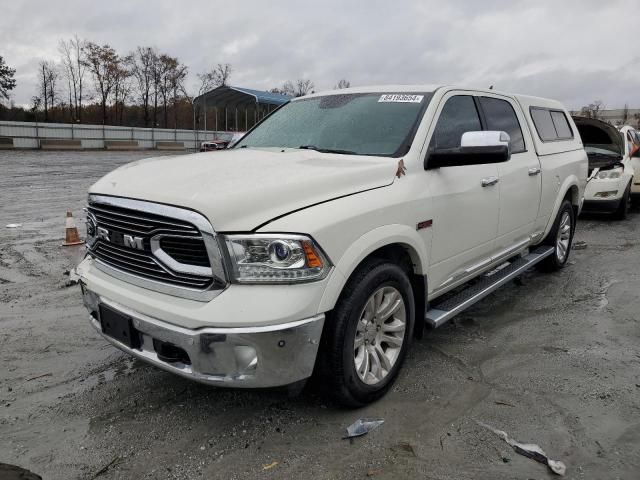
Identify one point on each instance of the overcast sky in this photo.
(575, 51)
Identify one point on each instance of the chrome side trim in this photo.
(462, 275)
(436, 317)
(512, 250)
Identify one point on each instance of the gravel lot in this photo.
(553, 359)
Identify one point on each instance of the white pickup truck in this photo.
(331, 234)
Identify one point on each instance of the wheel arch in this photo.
(397, 243)
(570, 191)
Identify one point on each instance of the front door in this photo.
(465, 213)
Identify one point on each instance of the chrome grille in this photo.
(135, 238)
(140, 223)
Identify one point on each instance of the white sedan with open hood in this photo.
(610, 170)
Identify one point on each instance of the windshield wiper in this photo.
(327, 150)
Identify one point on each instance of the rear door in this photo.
(465, 213)
(520, 177)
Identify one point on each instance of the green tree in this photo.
(7, 82)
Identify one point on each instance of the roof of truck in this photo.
(524, 100)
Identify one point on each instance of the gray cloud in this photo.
(574, 50)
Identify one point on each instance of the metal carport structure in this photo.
(239, 100)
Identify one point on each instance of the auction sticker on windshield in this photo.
(400, 98)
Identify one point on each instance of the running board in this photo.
(442, 311)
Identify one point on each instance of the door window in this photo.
(500, 115)
(459, 115)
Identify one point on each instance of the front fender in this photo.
(363, 247)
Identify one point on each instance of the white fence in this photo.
(29, 134)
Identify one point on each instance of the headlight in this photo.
(280, 258)
(611, 174)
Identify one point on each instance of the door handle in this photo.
(534, 171)
(487, 182)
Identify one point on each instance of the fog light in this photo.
(246, 358)
(610, 193)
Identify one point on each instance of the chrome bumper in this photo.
(250, 357)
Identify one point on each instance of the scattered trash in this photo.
(269, 466)
(38, 376)
(12, 472)
(405, 447)
(14, 225)
(362, 426)
(580, 245)
(530, 450)
(114, 461)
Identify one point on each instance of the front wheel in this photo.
(367, 335)
(625, 205)
(561, 238)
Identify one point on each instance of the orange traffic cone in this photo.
(72, 237)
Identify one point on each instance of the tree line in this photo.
(95, 84)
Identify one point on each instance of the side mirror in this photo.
(475, 148)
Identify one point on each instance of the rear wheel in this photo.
(560, 237)
(367, 335)
(625, 205)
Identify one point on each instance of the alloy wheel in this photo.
(563, 238)
(379, 335)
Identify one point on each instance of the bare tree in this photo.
(625, 114)
(593, 109)
(206, 82)
(288, 88)
(218, 76)
(121, 85)
(74, 67)
(343, 83)
(36, 102)
(102, 62)
(142, 67)
(47, 86)
(176, 81)
(221, 74)
(7, 80)
(303, 87)
(167, 68)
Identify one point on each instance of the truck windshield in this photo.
(381, 124)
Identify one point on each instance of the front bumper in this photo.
(603, 206)
(247, 357)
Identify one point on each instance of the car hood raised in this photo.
(603, 143)
(241, 189)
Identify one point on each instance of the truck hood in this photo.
(241, 189)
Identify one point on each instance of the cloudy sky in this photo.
(575, 51)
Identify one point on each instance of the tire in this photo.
(355, 375)
(560, 238)
(625, 205)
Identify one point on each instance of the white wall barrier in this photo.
(29, 134)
